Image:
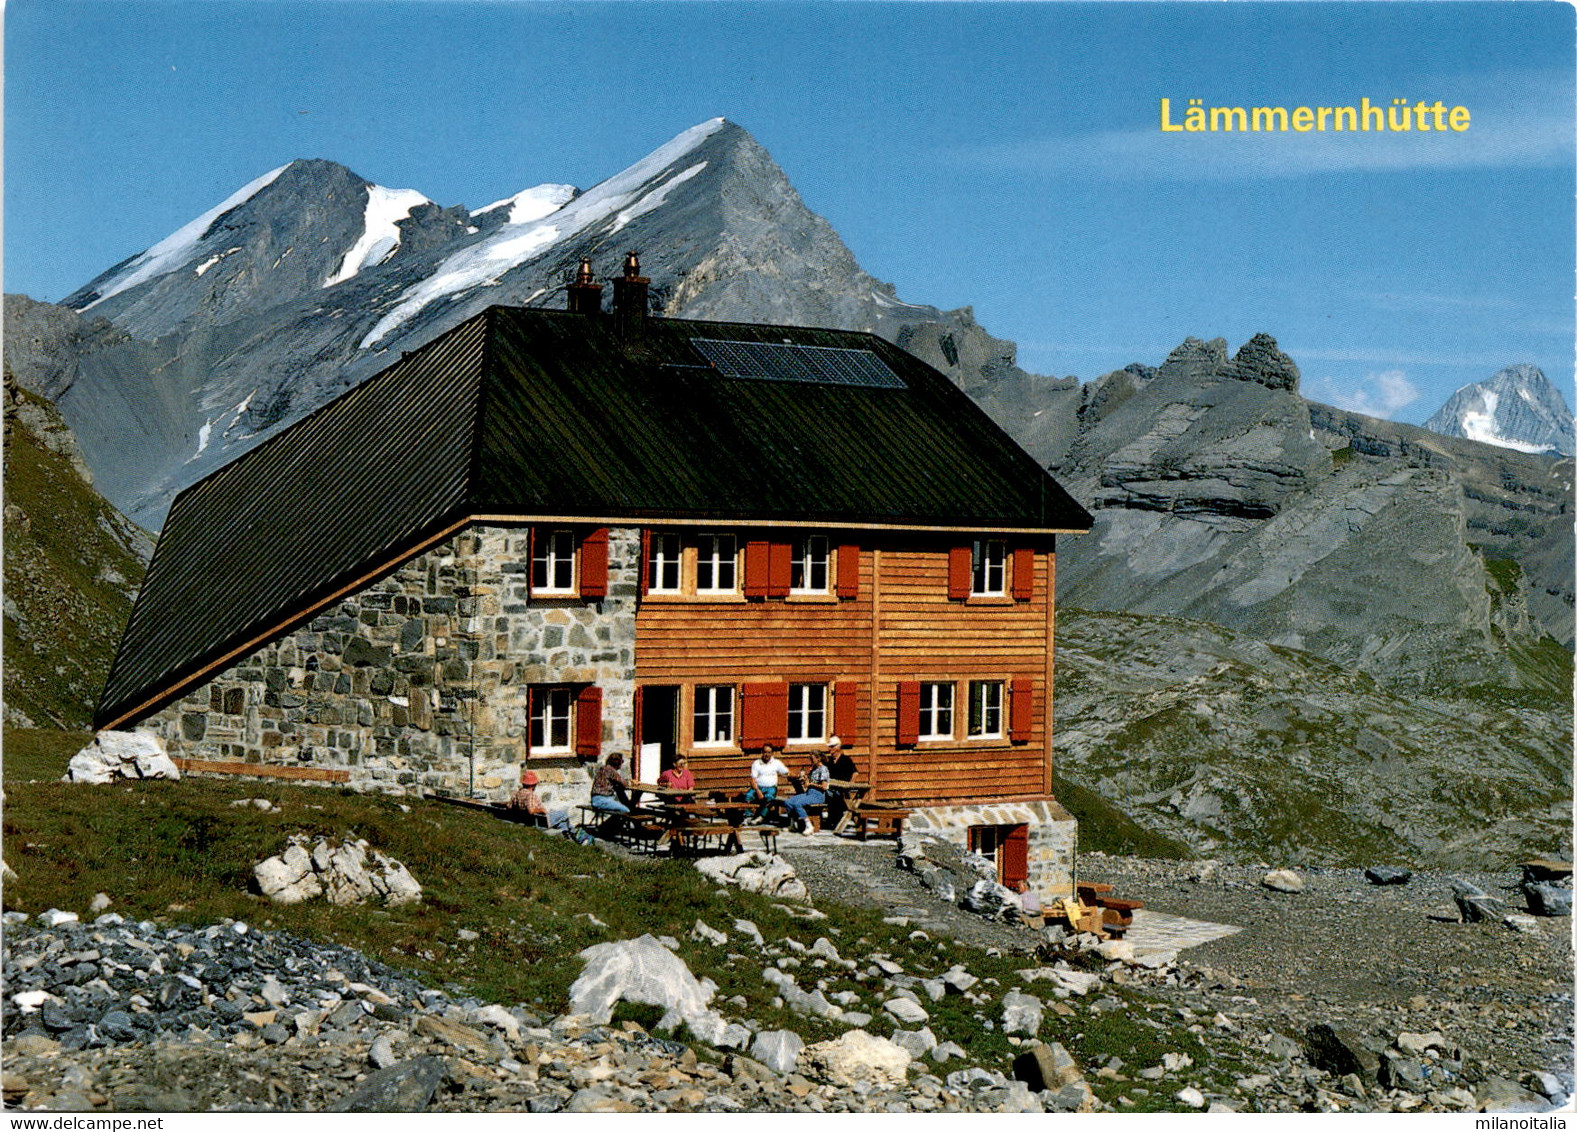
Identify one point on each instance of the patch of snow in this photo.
(533, 203)
(654, 198)
(176, 249)
(380, 233)
(235, 416)
(1480, 426)
(202, 440)
(882, 300)
(512, 245)
(537, 294)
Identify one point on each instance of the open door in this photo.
(658, 730)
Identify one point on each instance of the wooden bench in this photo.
(879, 821)
(690, 836)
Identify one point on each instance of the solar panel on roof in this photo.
(817, 365)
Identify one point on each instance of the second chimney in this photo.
(631, 295)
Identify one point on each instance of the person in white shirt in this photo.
(764, 775)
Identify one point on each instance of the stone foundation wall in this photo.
(1053, 836)
(419, 681)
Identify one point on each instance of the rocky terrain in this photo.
(72, 567)
(1343, 996)
(1221, 495)
(1248, 750)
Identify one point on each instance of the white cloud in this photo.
(1378, 395)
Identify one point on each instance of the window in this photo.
(553, 562)
(808, 572)
(807, 713)
(714, 715)
(716, 564)
(936, 711)
(989, 561)
(663, 569)
(551, 711)
(985, 709)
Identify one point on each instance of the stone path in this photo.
(1161, 931)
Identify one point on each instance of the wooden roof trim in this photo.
(807, 524)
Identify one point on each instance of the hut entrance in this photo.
(657, 730)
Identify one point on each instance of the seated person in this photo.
(608, 787)
(524, 805)
(764, 775)
(1028, 900)
(679, 777)
(843, 768)
(815, 794)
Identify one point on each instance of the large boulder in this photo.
(643, 971)
(857, 1057)
(1046, 1068)
(1548, 899)
(1021, 1013)
(121, 754)
(350, 873)
(1282, 880)
(756, 871)
(1340, 1052)
(778, 1049)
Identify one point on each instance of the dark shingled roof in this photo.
(539, 413)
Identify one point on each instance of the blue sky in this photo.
(1002, 156)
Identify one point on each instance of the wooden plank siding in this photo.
(901, 626)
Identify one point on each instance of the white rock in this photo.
(1021, 1013)
(958, 980)
(1064, 978)
(746, 927)
(711, 935)
(756, 871)
(1115, 949)
(1192, 1097)
(381, 1053)
(1282, 880)
(496, 1016)
(1522, 922)
(54, 917)
(643, 971)
(99, 902)
(824, 948)
(274, 992)
(906, 1010)
(31, 1000)
(918, 1042)
(779, 1050)
(858, 1057)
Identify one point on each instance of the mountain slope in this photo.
(247, 318)
(1221, 495)
(72, 567)
(1518, 408)
(1251, 751)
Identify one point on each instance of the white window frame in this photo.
(807, 713)
(552, 706)
(712, 720)
(988, 568)
(547, 549)
(812, 556)
(985, 702)
(936, 710)
(667, 558)
(710, 555)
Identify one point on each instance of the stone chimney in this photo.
(585, 294)
(630, 296)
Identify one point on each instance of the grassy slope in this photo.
(180, 852)
(70, 573)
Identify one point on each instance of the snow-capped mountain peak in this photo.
(531, 204)
(1518, 408)
(178, 248)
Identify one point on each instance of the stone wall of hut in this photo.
(419, 681)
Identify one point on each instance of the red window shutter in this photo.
(646, 565)
(777, 715)
(639, 719)
(848, 573)
(780, 568)
(908, 713)
(846, 712)
(750, 716)
(1023, 573)
(1021, 709)
(960, 570)
(1015, 855)
(588, 722)
(756, 568)
(594, 564)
